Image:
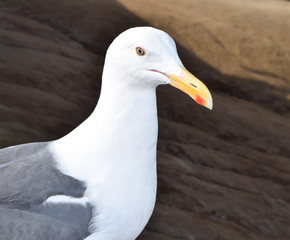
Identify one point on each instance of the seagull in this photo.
(99, 181)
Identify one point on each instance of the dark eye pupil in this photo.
(140, 51)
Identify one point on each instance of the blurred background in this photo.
(222, 174)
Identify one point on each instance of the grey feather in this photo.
(20, 224)
(74, 214)
(28, 176)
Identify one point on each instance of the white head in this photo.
(147, 57)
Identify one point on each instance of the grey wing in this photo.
(28, 176)
(21, 224)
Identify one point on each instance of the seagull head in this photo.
(150, 58)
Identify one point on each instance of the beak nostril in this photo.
(193, 85)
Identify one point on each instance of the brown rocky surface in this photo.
(223, 174)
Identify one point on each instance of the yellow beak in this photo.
(193, 87)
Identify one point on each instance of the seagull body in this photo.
(99, 181)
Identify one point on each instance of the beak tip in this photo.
(210, 105)
(200, 99)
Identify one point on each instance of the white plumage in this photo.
(113, 152)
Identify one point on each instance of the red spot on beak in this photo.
(200, 100)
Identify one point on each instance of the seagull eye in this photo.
(140, 51)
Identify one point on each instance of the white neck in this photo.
(126, 122)
(114, 152)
